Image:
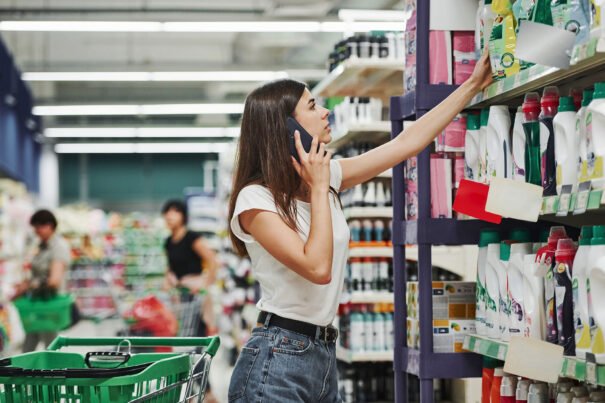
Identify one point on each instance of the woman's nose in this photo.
(326, 113)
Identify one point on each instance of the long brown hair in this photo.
(263, 152)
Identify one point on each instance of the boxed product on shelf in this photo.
(440, 57)
(465, 57)
(441, 186)
(411, 188)
(452, 138)
(451, 300)
(409, 74)
(448, 334)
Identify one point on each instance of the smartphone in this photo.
(305, 137)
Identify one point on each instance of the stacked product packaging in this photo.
(453, 314)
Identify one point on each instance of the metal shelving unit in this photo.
(374, 132)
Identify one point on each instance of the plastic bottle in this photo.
(368, 229)
(498, 142)
(504, 301)
(522, 391)
(531, 127)
(565, 397)
(487, 378)
(358, 196)
(492, 295)
(496, 384)
(379, 337)
(515, 275)
(581, 131)
(598, 396)
(381, 200)
(471, 147)
(538, 393)
(564, 257)
(596, 20)
(487, 18)
(378, 231)
(596, 291)
(549, 103)
(546, 260)
(388, 331)
(580, 393)
(533, 299)
(357, 339)
(355, 226)
(518, 147)
(580, 294)
(486, 237)
(508, 389)
(368, 323)
(484, 118)
(566, 144)
(595, 137)
(479, 28)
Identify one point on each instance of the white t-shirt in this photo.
(283, 291)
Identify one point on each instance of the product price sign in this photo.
(467, 343)
(565, 201)
(591, 373)
(582, 199)
(477, 348)
(570, 371)
(502, 352)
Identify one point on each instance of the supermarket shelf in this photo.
(345, 355)
(371, 251)
(378, 132)
(587, 67)
(370, 297)
(368, 212)
(378, 78)
(424, 98)
(439, 365)
(450, 258)
(572, 367)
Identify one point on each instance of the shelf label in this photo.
(502, 352)
(591, 373)
(564, 201)
(570, 371)
(582, 199)
(466, 344)
(477, 348)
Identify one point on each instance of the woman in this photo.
(48, 269)
(286, 217)
(191, 263)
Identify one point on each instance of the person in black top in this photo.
(191, 262)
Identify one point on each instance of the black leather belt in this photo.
(329, 334)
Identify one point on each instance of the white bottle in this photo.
(498, 142)
(565, 397)
(595, 137)
(381, 199)
(581, 132)
(357, 336)
(487, 23)
(479, 28)
(566, 144)
(484, 119)
(580, 393)
(471, 148)
(503, 300)
(596, 293)
(538, 393)
(485, 238)
(597, 23)
(379, 339)
(369, 200)
(595, 397)
(518, 148)
(515, 276)
(508, 387)
(388, 331)
(582, 319)
(492, 295)
(533, 299)
(522, 390)
(368, 323)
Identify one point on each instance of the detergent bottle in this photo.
(484, 118)
(531, 127)
(518, 148)
(498, 143)
(566, 144)
(580, 293)
(471, 148)
(564, 257)
(486, 237)
(595, 137)
(518, 251)
(596, 291)
(533, 299)
(581, 134)
(549, 103)
(492, 295)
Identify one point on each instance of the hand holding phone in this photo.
(305, 138)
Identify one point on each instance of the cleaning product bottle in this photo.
(581, 133)
(515, 275)
(487, 378)
(522, 391)
(369, 198)
(486, 20)
(492, 295)
(471, 147)
(580, 293)
(596, 18)
(580, 394)
(518, 148)
(549, 103)
(479, 28)
(484, 119)
(498, 142)
(573, 16)
(595, 137)
(566, 144)
(564, 257)
(596, 291)
(496, 385)
(538, 393)
(546, 260)
(597, 396)
(486, 237)
(531, 127)
(503, 41)
(508, 389)
(504, 301)
(533, 299)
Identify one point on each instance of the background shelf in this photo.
(379, 78)
(371, 251)
(375, 132)
(369, 297)
(345, 355)
(368, 212)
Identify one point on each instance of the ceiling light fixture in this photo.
(140, 148)
(157, 76)
(147, 109)
(141, 132)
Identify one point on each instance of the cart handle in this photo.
(211, 344)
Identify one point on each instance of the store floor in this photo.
(220, 372)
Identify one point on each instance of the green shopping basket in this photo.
(45, 315)
(117, 377)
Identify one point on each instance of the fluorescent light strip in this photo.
(160, 109)
(199, 26)
(347, 14)
(140, 148)
(157, 76)
(141, 132)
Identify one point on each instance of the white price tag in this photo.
(502, 353)
(477, 348)
(466, 344)
(571, 368)
(517, 80)
(591, 373)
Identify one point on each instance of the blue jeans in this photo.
(279, 365)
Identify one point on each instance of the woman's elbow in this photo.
(323, 276)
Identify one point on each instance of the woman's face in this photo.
(313, 118)
(174, 219)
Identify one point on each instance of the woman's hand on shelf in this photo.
(482, 75)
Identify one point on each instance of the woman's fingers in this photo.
(297, 166)
(328, 157)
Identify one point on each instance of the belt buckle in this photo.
(330, 334)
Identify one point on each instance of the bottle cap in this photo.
(508, 386)
(531, 104)
(488, 236)
(566, 104)
(522, 389)
(586, 97)
(520, 235)
(599, 91)
(484, 116)
(565, 246)
(550, 97)
(473, 122)
(556, 233)
(585, 235)
(499, 372)
(598, 235)
(505, 251)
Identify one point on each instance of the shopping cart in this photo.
(109, 376)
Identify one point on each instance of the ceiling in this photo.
(119, 52)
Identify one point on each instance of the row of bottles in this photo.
(371, 231)
(366, 383)
(366, 328)
(356, 110)
(371, 194)
(369, 274)
(366, 46)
